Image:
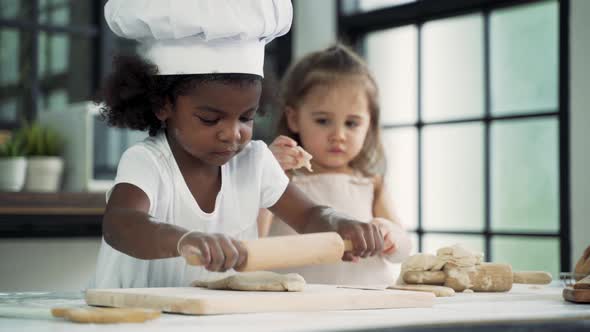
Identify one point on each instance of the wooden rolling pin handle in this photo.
(192, 255)
(532, 277)
(425, 277)
(348, 245)
(583, 283)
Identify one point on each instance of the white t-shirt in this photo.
(251, 180)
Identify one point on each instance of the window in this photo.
(474, 117)
(47, 56)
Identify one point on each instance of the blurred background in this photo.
(484, 116)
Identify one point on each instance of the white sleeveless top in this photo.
(251, 180)
(352, 195)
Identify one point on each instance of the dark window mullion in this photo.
(80, 31)
(486, 140)
(31, 111)
(419, 230)
(477, 119)
(511, 233)
(564, 163)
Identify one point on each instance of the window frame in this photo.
(90, 32)
(353, 27)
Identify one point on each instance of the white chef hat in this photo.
(201, 36)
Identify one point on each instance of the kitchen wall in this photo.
(67, 264)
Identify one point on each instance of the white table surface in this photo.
(523, 303)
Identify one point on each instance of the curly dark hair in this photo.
(134, 92)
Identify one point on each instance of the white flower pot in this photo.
(12, 173)
(44, 174)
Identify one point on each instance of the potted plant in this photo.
(43, 148)
(13, 164)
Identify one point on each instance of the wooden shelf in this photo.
(26, 215)
(24, 203)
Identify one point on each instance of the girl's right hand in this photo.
(289, 154)
(217, 252)
(387, 230)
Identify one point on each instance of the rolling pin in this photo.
(486, 277)
(287, 251)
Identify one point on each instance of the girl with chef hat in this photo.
(198, 180)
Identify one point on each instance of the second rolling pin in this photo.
(487, 277)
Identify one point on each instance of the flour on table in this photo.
(257, 281)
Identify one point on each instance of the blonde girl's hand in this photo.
(387, 230)
(216, 252)
(289, 154)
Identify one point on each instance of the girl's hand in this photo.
(387, 230)
(366, 239)
(289, 154)
(217, 252)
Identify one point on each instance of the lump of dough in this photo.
(460, 256)
(421, 262)
(305, 161)
(257, 281)
(457, 261)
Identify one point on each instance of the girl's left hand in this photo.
(366, 238)
(387, 230)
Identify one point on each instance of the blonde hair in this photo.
(327, 67)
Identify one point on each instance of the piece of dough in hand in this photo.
(305, 161)
(257, 281)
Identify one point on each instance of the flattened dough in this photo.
(257, 281)
(439, 291)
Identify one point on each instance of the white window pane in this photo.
(401, 146)
(54, 54)
(453, 177)
(10, 56)
(9, 110)
(57, 99)
(452, 68)
(367, 5)
(64, 66)
(433, 242)
(524, 58)
(524, 174)
(393, 58)
(527, 254)
(414, 241)
(16, 9)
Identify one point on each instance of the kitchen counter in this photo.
(524, 308)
